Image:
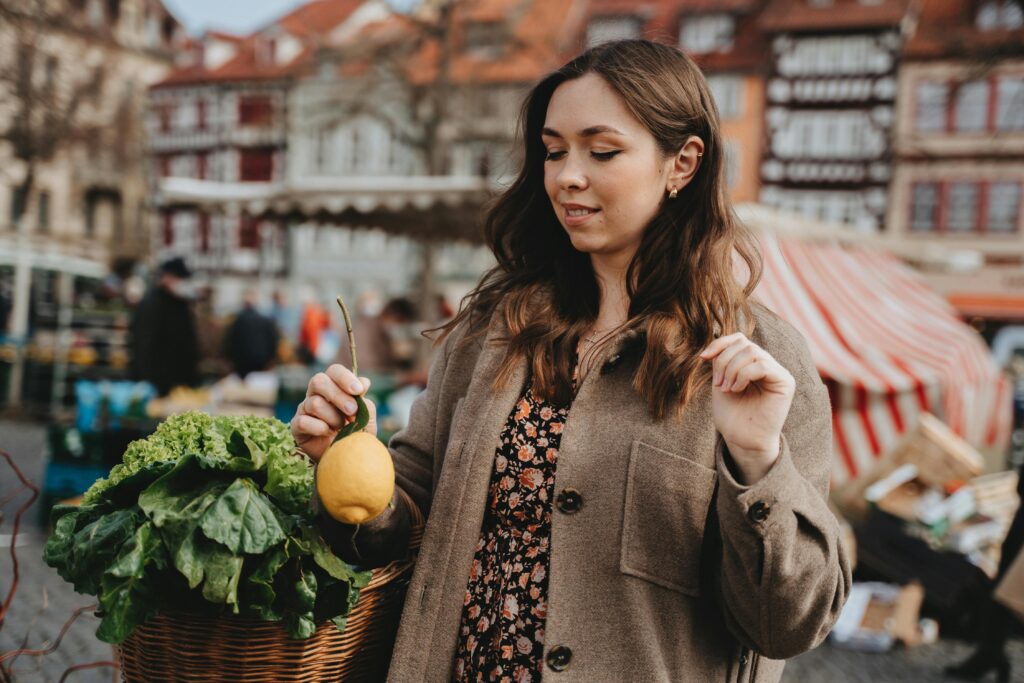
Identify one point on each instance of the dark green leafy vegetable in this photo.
(210, 514)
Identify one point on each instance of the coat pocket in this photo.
(666, 509)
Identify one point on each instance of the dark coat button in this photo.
(569, 501)
(558, 658)
(758, 512)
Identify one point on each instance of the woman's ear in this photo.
(685, 164)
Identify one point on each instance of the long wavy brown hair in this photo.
(680, 282)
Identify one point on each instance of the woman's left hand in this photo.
(750, 398)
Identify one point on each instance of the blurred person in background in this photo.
(996, 621)
(163, 343)
(287, 317)
(251, 340)
(315, 320)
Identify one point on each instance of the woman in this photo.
(624, 461)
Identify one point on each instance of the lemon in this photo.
(355, 478)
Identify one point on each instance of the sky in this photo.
(235, 16)
(228, 15)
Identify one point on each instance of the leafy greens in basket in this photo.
(208, 514)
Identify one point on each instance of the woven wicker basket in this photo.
(188, 647)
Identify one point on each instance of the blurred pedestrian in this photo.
(251, 340)
(163, 343)
(286, 316)
(315, 319)
(995, 621)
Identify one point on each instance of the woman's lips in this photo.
(578, 215)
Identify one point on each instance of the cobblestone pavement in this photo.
(44, 602)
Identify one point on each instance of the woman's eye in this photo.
(605, 156)
(553, 156)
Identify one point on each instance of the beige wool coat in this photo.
(669, 570)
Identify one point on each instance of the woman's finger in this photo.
(318, 407)
(306, 427)
(324, 385)
(739, 360)
(724, 357)
(754, 371)
(715, 347)
(345, 380)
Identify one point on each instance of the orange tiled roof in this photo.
(801, 15)
(947, 27)
(310, 23)
(318, 17)
(541, 31)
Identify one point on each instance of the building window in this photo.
(728, 94)
(970, 108)
(201, 114)
(17, 204)
(204, 232)
(168, 229)
(1000, 14)
(705, 33)
(963, 207)
(486, 38)
(1003, 207)
(50, 71)
(924, 207)
(43, 209)
(165, 115)
(256, 164)
(1010, 103)
(931, 107)
(202, 165)
(249, 232)
(255, 110)
(605, 29)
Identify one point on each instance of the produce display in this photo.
(209, 515)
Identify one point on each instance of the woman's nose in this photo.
(572, 175)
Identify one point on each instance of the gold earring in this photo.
(700, 154)
(673, 193)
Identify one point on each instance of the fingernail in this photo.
(350, 407)
(718, 379)
(356, 387)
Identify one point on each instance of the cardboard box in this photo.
(938, 453)
(879, 615)
(1010, 591)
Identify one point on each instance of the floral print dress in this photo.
(501, 637)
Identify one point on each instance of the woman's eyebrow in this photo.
(585, 133)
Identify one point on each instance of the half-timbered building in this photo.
(830, 106)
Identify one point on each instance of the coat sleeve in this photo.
(784, 573)
(386, 537)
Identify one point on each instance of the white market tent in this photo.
(424, 206)
(887, 346)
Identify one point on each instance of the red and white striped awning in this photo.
(887, 347)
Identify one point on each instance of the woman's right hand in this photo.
(329, 405)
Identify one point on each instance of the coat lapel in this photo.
(464, 500)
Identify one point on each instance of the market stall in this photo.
(887, 347)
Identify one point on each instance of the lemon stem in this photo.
(351, 336)
(362, 412)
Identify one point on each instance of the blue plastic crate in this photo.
(65, 480)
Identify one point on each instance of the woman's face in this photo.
(604, 173)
